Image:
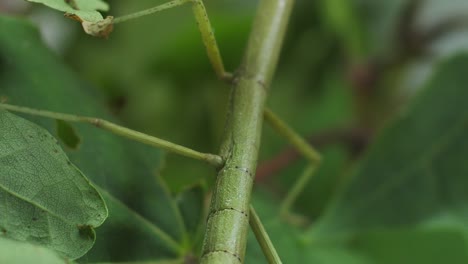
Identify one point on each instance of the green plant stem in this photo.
(211, 159)
(303, 147)
(263, 239)
(228, 219)
(204, 25)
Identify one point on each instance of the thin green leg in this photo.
(158, 8)
(303, 147)
(263, 239)
(209, 40)
(212, 159)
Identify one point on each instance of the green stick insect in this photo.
(230, 207)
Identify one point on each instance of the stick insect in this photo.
(218, 248)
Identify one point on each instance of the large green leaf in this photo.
(416, 169)
(31, 75)
(413, 176)
(14, 252)
(45, 198)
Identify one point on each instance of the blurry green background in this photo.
(347, 68)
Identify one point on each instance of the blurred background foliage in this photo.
(347, 68)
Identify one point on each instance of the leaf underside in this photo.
(85, 9)
(44, 198)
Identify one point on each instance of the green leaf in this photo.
(14, 252)
(87, 10)
(430, 245)
(416, 169)
(414, 174)
(46, 199)
(33, 76)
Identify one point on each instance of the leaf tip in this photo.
(101, 29)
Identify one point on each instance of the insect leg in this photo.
(304, 148)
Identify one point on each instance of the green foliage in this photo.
(404, 203)
(85, 9)
(422, 176)
(412, 185)
(127, 171)
(342, 18)
(14, 252)
(128, 236)
(56, 205)
(291, 243)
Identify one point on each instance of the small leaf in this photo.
(67, 134)
(44, 198)
(14, 252)
(87, 10)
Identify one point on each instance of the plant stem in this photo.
(211, 159)
(263, 239)
(228, 219)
